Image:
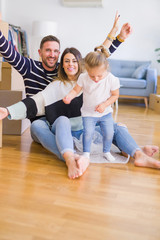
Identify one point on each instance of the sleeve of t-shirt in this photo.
(80, 81)
(115, 83)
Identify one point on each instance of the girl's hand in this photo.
(100, 108)
(3, 113)
(66, 100)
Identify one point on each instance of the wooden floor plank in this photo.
(110, 201)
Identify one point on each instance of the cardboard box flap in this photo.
(6, 65)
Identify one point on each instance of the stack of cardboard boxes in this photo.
(154, 99)
(11, 91)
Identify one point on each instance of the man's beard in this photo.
(53, 65)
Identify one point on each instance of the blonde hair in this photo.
(103, 49)
(95, 59)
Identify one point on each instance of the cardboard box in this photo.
(15, 127)
(11, 79)
(157, 104)
(152, 99)
(4, 26)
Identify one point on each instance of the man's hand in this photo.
(126, 31)
(3, 113)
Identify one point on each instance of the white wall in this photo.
(85, 28)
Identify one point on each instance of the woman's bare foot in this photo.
(73, 169)
(142, 160)
(150, 150)
(82, 163)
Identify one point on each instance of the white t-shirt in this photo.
(96, 93)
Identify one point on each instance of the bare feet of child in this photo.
(82, 163)
(142, 160)
(73, 169)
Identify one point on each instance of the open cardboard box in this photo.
(15, 127)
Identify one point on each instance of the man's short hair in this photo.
(49, 38)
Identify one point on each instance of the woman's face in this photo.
(70, 65)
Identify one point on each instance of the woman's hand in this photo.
(116, 23)
(3, 113)
(108, 41)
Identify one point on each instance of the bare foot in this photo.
(150, 150)
(73, 170)
(82, 163)
(142, 160)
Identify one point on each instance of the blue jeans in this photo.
(56, 138)
(42, 133)
(106, 125)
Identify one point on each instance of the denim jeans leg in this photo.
(88, 131)
(62, 130)
(124, 141)
(106, 125)
(42, 134)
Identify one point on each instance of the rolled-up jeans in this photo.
(44, 134)
(106, 125)
(56, 138)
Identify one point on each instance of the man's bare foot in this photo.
(82, 163)
(142, 160)
(150, 150)
(73, 170)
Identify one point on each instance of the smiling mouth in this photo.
(70, 69)
(51, 59)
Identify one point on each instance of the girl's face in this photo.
(70, 65)
(97, 73)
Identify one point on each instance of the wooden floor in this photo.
(109, 202)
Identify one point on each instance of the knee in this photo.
(108, 137)
(34, 125)
(121, 125)
(63, 120)
(38, 124)
(88, 133)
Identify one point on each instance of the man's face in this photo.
(49, 54)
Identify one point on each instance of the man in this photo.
(36, 75)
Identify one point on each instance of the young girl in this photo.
(100, 90)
